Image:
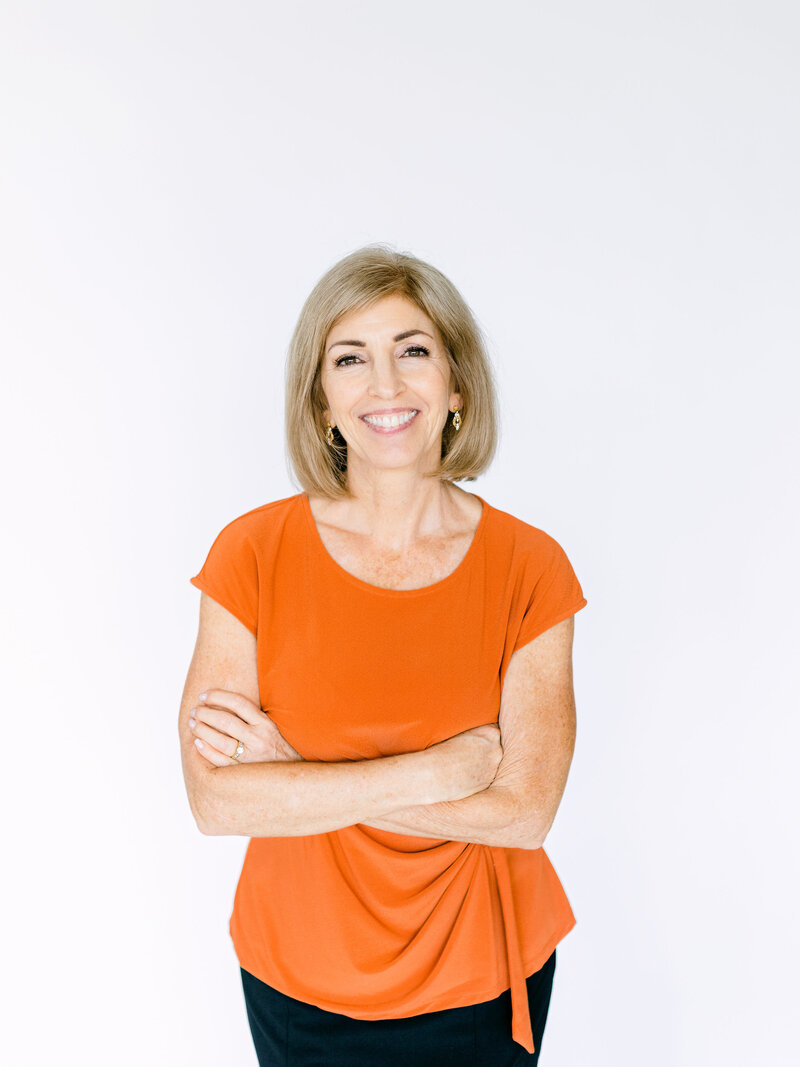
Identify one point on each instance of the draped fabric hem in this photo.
(443, 1001)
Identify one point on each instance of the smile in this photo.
(389, 423)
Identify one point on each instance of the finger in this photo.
(226, 744)
(245, 708)
(210, 753)
(225, 722)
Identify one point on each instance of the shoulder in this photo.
(523, 538)
(546, 589)
(247, 540)
(259, 520)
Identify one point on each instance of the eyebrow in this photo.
(362, 344)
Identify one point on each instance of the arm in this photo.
(281, 799)
(484, 818)
(285, 799)
(537, 727)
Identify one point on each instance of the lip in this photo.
(388, 411)
(391, 429)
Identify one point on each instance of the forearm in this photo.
(490, 817)
(295, 798)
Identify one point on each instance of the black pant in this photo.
(291, 1033)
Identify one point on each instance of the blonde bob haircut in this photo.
(355, 282)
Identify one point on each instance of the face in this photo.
(388, 360)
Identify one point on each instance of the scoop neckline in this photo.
(380, 590)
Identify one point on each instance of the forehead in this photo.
(390, 314)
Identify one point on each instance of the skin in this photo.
(288, 796)
(499, 784)
(393, 506)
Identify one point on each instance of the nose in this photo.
(385, 378)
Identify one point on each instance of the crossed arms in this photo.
(455, 791)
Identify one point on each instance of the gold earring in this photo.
(456, 420)
(329, 434)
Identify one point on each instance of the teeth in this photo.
(389, 420)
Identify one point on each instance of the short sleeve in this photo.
(556, 594)
(230, 574)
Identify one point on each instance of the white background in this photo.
(613, 188)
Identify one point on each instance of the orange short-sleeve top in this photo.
(366, 922)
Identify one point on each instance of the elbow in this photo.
(537, 834)
(205, 827)
(201, 819)
(527, 833)
(519, 826)
(213, 827)
(210, 821)
(207, 815)
(521, 836)
(534, 841)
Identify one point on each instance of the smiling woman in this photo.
(389, 391)
(389, 714)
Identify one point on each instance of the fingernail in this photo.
(198, 742)
(192, 723)
(202, 696)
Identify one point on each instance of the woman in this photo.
(381, 699)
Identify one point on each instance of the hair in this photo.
(355, 282)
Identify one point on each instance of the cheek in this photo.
(436, 376)
(340, 392)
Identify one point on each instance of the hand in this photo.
(224, 718)
(470, 759)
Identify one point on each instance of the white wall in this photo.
(614, 189)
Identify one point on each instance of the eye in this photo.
(342, 360)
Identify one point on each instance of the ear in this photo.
(455, 401)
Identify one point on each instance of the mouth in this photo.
(389, 424)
